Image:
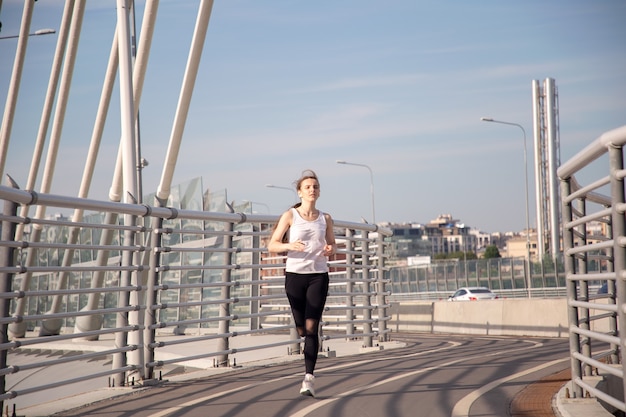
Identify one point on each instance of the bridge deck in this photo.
(414, 375)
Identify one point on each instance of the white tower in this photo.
(547, 160)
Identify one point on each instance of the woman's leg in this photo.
(307, 297)
(316, 294)
(295, 288)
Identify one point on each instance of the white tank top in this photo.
(313, 234)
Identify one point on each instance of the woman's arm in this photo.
(331, 246)
(276, 244)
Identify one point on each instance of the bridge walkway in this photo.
(411, 375)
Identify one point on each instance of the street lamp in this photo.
(489, 119)
(258, 203)
(371, 184)
(284, 188)
(36, 33)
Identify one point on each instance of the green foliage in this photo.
(461, 256)
(491, 252)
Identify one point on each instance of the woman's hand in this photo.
(297, 246)
(329, 250)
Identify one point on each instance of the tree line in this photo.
(491, 252)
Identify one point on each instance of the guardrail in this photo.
(557, 292)
(596, 319)
(503, 275)
(140, 272)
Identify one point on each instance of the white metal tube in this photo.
(539, 180)
(61, 105)
(127, 121)
(53, 326)
(53, 83)
(148, 24)
(140, 64)
(143, 52)
(14, 85)
(55, 136)
(85, 324)
(553, 183)
(46, 113)
(101, 115)
(127, 108)
(193, 62)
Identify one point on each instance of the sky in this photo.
(398, 87)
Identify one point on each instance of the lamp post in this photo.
(258, 203)
(14, 85)
(371, 184)
(284, 188)
(36, 33)
(529, 273)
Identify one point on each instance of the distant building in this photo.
(485, 239)
(449, 235)
(442, 235)
(516, 245)
(408, 239)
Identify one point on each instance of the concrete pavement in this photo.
(56, 400)
(90, 391)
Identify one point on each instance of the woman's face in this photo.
(309, 189)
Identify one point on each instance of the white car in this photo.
(472, 294)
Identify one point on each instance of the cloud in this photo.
(362, 82)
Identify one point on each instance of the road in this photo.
(433, 376)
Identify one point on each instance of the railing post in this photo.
(7, 258)
(543, 268)
(616, 160)
(149, 331)
(582, 259)
(349, 283)
(224, 313)
(255, 275)
(610, 267)
(381, 292)
(456, 278)
(512, 270)
(120, 359)
(367, 312)
(572, 311)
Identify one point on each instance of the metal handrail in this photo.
(582, 205)
(155, 286)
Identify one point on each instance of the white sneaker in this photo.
(307, 386)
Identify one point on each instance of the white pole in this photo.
(127, 108)
(371, 185)
(14, 85)
(189, 80)
(528, 263)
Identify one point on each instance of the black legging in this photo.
(307, 296)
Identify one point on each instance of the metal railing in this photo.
(597, 320)
(139, 273)
(505, 276)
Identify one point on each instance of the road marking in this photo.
(191, 403)
(461, 409)
(304, 412)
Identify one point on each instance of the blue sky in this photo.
(284, 86)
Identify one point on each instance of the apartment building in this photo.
(443, 235)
